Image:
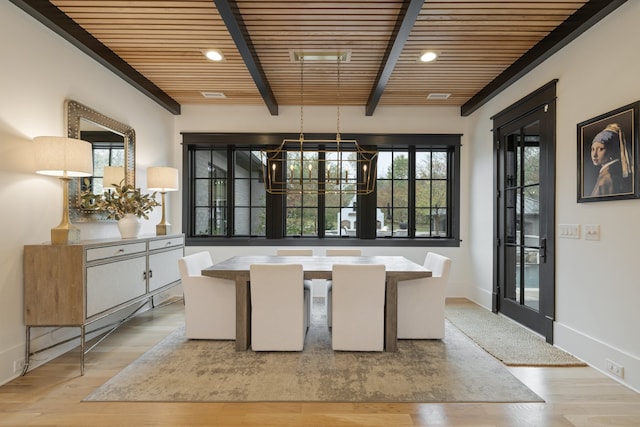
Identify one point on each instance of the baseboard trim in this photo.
(595, 353)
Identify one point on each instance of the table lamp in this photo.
(113, 176)
(66, 158)
(162, 179)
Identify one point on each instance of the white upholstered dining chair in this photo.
(278, 305)
(210, 303)
(421, 302)
(308, 284)
(327, 298)
(358, 299)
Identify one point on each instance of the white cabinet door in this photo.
(163, 268)
(109, 285)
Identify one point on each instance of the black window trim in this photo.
(251, 139)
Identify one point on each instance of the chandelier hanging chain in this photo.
(301, 98)
(301, 120)
(338, 108)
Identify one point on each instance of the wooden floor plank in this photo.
(52, 395)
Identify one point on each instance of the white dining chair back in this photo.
(308, 284)
(210, 303)
(343, 252)
(358, 300)
(277, 307)
(294, 252)
(327, 296)
(421, 302)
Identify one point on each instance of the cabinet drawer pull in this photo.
(144, 275)
(150, 274)
(121, 250)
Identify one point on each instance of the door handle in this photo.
(543, 250)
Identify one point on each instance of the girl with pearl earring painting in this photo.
(609, 152)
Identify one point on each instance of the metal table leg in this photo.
(27, 352)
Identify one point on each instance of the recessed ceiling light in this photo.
(213, 55)
(428, 56)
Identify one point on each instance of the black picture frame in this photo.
(612, 175)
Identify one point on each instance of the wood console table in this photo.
(78, 284)
(315, 267)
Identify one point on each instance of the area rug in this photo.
(180, 370)
(506, 340)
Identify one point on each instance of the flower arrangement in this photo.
(123, 199)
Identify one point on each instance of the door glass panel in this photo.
(511, 160)
(512, 272)
(522, 215)
(511, 217)
(531, 215)
(532, 278)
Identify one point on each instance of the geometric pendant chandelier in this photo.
(319, 166)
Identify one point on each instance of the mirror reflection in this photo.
(108, 150)
(113, 154)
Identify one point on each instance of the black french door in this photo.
(524, 271)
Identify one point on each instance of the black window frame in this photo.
(366, 224)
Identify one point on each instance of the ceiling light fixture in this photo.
(213, 55)
(428, 56)
(314, 166)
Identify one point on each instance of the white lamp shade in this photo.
(60, 156)
(162, 178)
(113, 176)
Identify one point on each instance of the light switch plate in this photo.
(592, 232)
(569, 231)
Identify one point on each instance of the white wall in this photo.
(597, 285)
(596, 306)
(352, 119)
(39, 71)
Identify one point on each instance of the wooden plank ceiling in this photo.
(478, 41)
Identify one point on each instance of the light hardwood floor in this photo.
(51, 395)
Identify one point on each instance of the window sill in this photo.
(309, 241)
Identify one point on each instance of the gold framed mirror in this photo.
(113, 145)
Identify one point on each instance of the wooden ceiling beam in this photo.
(228, 10)
(56, 20)
(576, 24)
(406, 20)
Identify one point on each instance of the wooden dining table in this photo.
(236, 268)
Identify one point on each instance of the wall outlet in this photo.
(614, 368)
(18, 366)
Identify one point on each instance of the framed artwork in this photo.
(608, 156)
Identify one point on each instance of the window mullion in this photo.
(231, 183)
(411, 188)
(321, 214)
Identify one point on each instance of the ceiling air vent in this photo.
(213, 95)
(319, 55)
(438, 96)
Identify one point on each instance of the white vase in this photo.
(129, 226)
